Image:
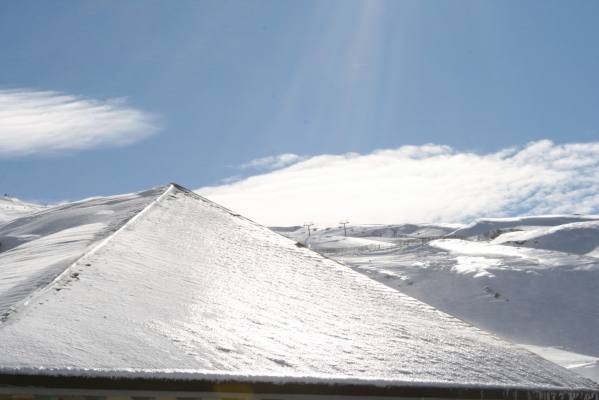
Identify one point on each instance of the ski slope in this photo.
(364, 237)
(165, 283)
(543, 299)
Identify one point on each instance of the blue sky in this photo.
(221, 83)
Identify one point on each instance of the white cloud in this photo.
(272, 162)
(421, 184)
(49, 122)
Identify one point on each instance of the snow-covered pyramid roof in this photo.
(167, 285)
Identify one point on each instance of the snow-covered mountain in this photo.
(164, 284)
(489, 228)
(532, 280)
(12, 208)
(576, 237)
(104, 266)
(35, 249)
(365, 237)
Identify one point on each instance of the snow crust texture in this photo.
(190, 286)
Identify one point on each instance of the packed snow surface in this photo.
(186, 285)
(527, 291)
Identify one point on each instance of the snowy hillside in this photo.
(394, 231)
(36, 249)
(577, 238)
(490, 228)
(365, 237)
(164, 283)
(11, 208)
(543, 296)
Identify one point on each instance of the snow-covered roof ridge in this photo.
(191, 287)
(17, 237)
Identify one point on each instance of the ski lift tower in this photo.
(344, 223)
(307, 225)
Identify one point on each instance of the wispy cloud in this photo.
(272, 162)
(421, 183)
(33, 122)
